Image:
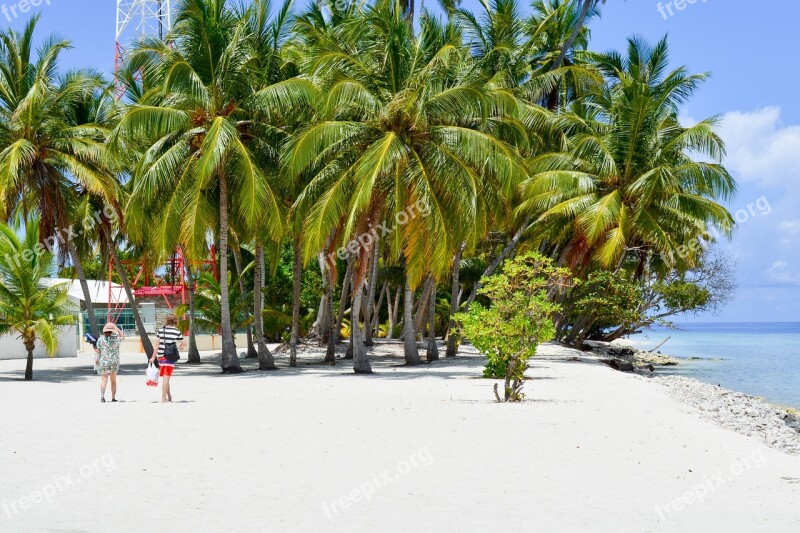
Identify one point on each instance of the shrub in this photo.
(517, 320)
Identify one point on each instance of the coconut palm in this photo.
(28, 307)
(636, 183)
(104, 232)
(498, 41)
(52, 132)
(551, 27)
(275, 61)
(584, 13)
(400, 125)
(515, 54)
(208, 298)
(200, 128)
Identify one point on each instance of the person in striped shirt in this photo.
(167, 335)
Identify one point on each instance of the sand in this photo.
(408, 449)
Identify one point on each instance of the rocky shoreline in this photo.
(776, 426)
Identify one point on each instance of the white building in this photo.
(71, 338)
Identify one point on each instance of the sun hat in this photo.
(110, 327)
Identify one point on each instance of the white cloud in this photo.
(780, 272)
(763, 155)
(789, 230)
(790, 227)
(760, 148)
(685, 119)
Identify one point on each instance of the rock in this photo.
(628, 353)
(607, 349)
(792, 420)
(619, 364)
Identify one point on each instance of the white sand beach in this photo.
(318, 448)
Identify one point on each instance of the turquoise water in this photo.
(760, 359)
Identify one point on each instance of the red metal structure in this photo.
(168, 280)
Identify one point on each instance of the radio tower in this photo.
(137, 19)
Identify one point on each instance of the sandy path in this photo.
(424, 449)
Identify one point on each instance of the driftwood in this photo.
(660, 345)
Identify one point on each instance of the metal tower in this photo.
(137, 19)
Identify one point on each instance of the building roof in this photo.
(98, 290)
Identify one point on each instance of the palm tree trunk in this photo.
(422, 305)
(137, 318)
(265, 359)
(377, 312)
(327, 323)
(348, 278)
(360, 361)
(237, 262)
(587, 4)
(393, 310)
(455, 293)
(512, 244)
(389, 312)
(348, 354)
(355, 322)
(297, 286)
(194, 354)
(321, 328)
(230, 359)
(408, 10)
(409, 333)
(87, 295)
(433, 350)
(330, 353)
(29, 345)
(368, 308)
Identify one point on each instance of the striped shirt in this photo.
(167, 335)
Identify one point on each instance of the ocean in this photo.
(757, 358)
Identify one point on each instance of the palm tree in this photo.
(265, 358)
(399, 125)
(455, 300)
(208, 298)
(200, 130)
(273, 64)
(52, 133)
(193, 354)
(513, 53)
(106, 231)
(28, 307)
(275, 57)
(576, 30)
(636, 182)
(498, 41)
(238, 264)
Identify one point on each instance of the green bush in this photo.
(517, 320)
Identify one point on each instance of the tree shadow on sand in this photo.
(49, 375)
(385, 357)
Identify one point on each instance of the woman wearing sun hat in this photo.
(107, 360)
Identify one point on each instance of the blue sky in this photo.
(743, 44)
